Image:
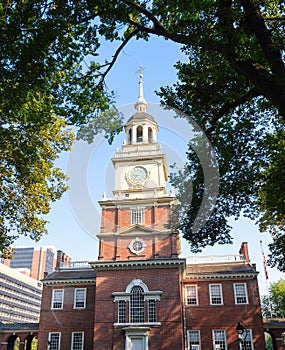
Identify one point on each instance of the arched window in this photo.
(150, 135)
(130, 140)
(137, 305)
(13, 343)
(139, 134)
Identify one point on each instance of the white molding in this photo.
(69, 282)
(154, 263)
(236, 276)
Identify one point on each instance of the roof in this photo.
(274, 323)
(70, 275)
(141, 116)
(16, 327)
(220, 270)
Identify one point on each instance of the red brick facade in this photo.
(167, 334)
(206, 317)
(137, 296)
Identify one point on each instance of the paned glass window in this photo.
(136, 305)
(151, 311)
(79, 298)
(77, 341)
(216, 294)
(121, 311)
(240, 293)
(194, 340)
(191, 295)
(219, 340)
(54, 341)
(247, 343)
(137, 216)
(57, 299)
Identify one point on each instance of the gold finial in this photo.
(140, 70)
(141, 104)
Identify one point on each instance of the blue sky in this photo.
(68, 230)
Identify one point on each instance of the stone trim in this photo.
(237, 276)
(73, 281)
(134, 264)
(124, 203)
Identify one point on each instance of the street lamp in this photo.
(242, 332)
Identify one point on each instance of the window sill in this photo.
(138, 324)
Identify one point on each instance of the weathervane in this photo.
(140, 70)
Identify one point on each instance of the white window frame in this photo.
(75, 301)
(122, 311)
(149, 297)
(50, 335)
(248, 339)
(82, 341)
(244, 295)
(217, 346)
(195, 297)
(194, 346)
(136, 334)
(56, 299)
(137, 216)
(137, 305)
(212, 296)
(151, 311)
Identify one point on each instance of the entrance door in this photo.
(137, 343)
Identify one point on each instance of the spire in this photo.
(141, 104)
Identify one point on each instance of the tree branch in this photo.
(227, 107)
(117, 52)
(266, 83)
(264, 37)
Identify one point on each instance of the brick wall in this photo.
(206, 317)
(167, 336)
(68, 319)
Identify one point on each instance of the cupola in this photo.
(141, 127)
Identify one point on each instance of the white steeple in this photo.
(141, 128)
(141, 104)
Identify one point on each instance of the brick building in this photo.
(139, 295)
(34, 261)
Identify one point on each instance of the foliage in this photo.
(233, 86)
(273, 305)
(44, 87)
(268, 342)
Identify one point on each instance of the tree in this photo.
(232, 86)
(42, 91)
(273, 305)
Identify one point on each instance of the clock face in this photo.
(137, 175)
(137, 245)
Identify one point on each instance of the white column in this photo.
(134, 131)
(145, 134)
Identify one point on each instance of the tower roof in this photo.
(140, 116)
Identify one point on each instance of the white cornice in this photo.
(116, 203)
(134, 233)
(137, 264)
(70, 282)
(213, 276)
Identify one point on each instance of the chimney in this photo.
(244, 251)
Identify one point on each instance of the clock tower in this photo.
(134, 220)
(138, 272)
